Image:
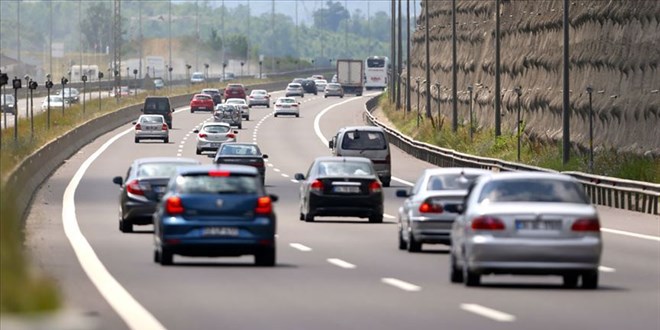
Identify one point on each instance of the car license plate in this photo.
(159, 189)
(215, 145)
(202, 108)
(538, 225)
(220, 231)
(346, 189)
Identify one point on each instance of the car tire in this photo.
(309, 217)
(137, 140)
(247, 118)
(325, 96)
(275, 115)
(265, 257)
(376, 218)
(455, 274)
(570, 280)
(470, 278)
(297, 115)
(166, 257)
(403, 245)
(590, 280)
(166, 140)
(302, 95)
(192, 111)
(268, 106)
(413, 245)
(197, 151)
(240, 126)
(156, 256)
(386, 181)
(125, 226)
(301, 217)
(341, 97)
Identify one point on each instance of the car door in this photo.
(409, 203)
(304, 187)
(458, 227)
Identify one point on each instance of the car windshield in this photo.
(216, 129)
(363, 140)
(158, 169)
(336, 168)
(210, 92)
(54, 98)
(239, 150)
(151, 119)
(9, 99)
(450, 181)
(203, 184)
(533, 190)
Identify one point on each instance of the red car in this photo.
(234, 91)
(201, 102)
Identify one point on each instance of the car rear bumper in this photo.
(139, 213)
(259, 102)
(287, 111)
(524, 255)
(432, 231)
(152, 135)
(360, 206)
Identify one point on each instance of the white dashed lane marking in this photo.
(285, 175)
(488, 312)
(605, 269)
(389, 216)
(341, 263)
(276, 170)
(403, 285)
(300, 247)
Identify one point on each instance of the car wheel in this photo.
(247, 118)
(275, 115)
(302, 95)
(192, 111)
(341, 97)
(470, 278)
(125, 226)
(156, 256)
(166, 140)
(268, 106)
(302, 217)
(197, 151)
(325, 96)
(166, 257)
(137, 140)
(376, 218)
(402, 243)
(386, 181)
(297, 115)
(240, 126)
(590, 280)
(265, 257)
(413, 245)
(570, 280)
(309, 217)
(455, 274)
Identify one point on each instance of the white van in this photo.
(365, 141)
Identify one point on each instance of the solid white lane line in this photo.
(401, 284)
(407, 183)
(488, 312)
(129, 309)
(605, 269)
(388, 216)
(300, 247)
(341, 263)
(627, 233)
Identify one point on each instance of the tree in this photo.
(97, 26)
(330, 17)
(215, 40)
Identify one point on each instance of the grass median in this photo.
(536, 152)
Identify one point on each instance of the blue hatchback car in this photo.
(215, 210)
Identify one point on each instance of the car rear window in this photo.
(235, 86)
(157, 105)
(294, 86)
(216, 129)
(204, 184)
(286, 101)
(533, 190)
(202, 97)
(158, 169)
(151, 119)
(345, 168)
(363, 140)
(239, 150)
(450, 182)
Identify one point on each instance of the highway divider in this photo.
(629, 195)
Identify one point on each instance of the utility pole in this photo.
(498, 86)
(428, 61)
(566, 113)
(392, 52)
(169, 29)
(400, 60)
(408, 105)
(141, 38)
(18, 34)
(454, 70)
(346, 27)
(247, 39)
(80, 71)
(368, 28)
(50, 40)
(297, 40)
(222, 33)
(196, 36)
(272, 36)
(117, 47)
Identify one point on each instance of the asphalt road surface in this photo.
(335, 273)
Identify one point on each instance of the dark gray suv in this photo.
(159, 105)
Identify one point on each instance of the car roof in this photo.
(259, 90)
(340, 159)
(215, 123)
(294, 84)
(201, 94)
(286, 98)
(241, 144)
(147, 160)
(211, 90)
(362, 128)
(456, 170)
(242, 169)
(530, 175)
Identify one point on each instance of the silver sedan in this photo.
(526, 223)
(212, 135)
(151, 127)
(421, 218)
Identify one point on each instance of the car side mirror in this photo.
(331, 144)
(402, 193)
(196, 131)
(454, 208)
(141, 110)
(274, 198)
(235, 132)
(299, 176)
(264, 156)
(298, 103)
(118, 180)
(134, 122)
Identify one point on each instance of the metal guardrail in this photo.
(624, 194)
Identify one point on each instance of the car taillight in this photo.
(487, 223)
(264, 206)
(138, 127)
(174, 205)
(231, 135)
(375, 187)
(202, 135)
(164, 128)
(134, 188)
(586, 224)
(430, 207)
(251, 96)
(317, 186)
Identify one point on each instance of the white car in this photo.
(320, 84)
(56, 101)
(197, 78)
(151, 127)
(212, 135)
(245, 108)
(287, 106)
(294, 89)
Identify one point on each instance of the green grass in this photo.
(22, 290)
(546, 154)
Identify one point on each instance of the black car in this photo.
(237, 153)
(341, 186)
(214, 93)
(309, 86)
(143, 187)
(159, 105)
(7, 103)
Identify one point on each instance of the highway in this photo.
(335, 273)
